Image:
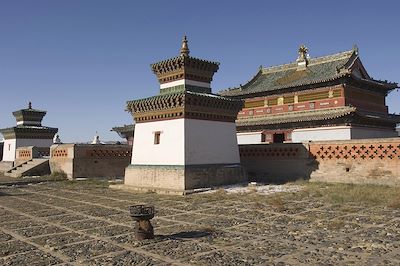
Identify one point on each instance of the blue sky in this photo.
(82, 60)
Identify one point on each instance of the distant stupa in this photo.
(96, 139)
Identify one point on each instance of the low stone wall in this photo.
(92, 161)
(278, 162)
(374, 161)
(358, 161)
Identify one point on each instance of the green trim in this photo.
(225, 165)
(155, 166)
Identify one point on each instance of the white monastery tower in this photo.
(185, 137)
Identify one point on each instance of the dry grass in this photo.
(58, 175)
(370, 195)
(276, 202)
(394, 202)
(335, 224)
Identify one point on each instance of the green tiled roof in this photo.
(298, 116)
(184, 60)
(124, 128)
(152, 99)
(318, 70)
(170, 96)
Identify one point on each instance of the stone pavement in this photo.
(85, 223)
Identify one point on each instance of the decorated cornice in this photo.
(185, 105)
(345, 115)
(28, 132)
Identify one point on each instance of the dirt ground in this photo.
(86, 223)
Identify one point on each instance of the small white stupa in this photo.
(96, 139)
(56, 139)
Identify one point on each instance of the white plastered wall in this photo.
(10, 146)
(210, 142)
(321, 133)
(249, 138)
(340, 133)
(9, 150)
(185, 82)
(170, 151)
(185, 142)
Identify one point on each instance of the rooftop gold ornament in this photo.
(185, 48)
(303, 53)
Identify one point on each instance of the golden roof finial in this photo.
(303, 50)
(185, 48)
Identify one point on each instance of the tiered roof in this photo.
(185, 67)
(29, 116)
(314, 71)
(185, 101)
(29, 125)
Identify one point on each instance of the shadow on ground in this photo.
(188, 235)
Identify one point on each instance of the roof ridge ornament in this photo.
(302, 60)
(355, 49)
(30, 105)
(185, 48)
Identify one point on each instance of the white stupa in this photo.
(96, 139)
(56, 139)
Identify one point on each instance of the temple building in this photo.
(28, 132)
(185, 137)
(323, 98)
(125, 132)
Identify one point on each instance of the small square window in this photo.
(157, 136)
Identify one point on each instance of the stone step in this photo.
(25, 168)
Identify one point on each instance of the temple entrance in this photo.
(279, 138)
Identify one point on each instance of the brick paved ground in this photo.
(85, 223)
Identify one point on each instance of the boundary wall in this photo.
(372, 161)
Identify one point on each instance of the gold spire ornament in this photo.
(185, 48)
(302, 60)
(303, 50)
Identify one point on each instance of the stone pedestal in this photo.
(181, 179)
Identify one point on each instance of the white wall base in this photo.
(321, 133)
(9, 150)
(249, 138)
(339, 133)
